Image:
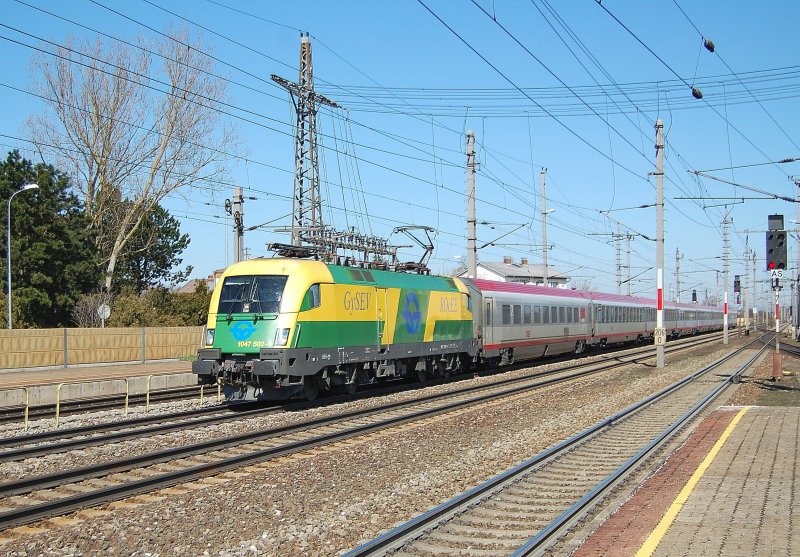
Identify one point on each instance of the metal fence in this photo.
(27, 348)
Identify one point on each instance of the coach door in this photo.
(383, 304)
(488, 321)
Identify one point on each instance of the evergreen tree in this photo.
(52, 252)
(152, 254)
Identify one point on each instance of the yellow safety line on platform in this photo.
(655, 537)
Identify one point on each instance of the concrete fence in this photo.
(28, 348)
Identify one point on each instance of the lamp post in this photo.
(8, 247)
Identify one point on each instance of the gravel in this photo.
(327, 501)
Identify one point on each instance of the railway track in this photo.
(66, 491)
(60, 440)
(526, 509)
(12, 414)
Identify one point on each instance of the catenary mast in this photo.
(307, 201)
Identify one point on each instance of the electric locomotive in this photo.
(285, 326)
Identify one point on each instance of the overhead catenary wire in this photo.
(343, 150)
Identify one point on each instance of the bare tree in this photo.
(586, 284)
(133, 125)
(85, 313)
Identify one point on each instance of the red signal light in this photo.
(771, 265)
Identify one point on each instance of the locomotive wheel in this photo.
(310, 387)
(422, 375)
(351, 388)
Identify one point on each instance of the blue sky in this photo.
(580, 100)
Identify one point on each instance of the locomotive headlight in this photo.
(209, 337)
(282, 336)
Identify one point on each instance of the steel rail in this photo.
(397, 537)
(551, 532)
(32, 513)
(72, 444)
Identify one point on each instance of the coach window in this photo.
(537, 314)
(545, 314)
(561, 317)
(488, 315)
(526, 314)
(517, 315)
(553, 314)
(506, 314)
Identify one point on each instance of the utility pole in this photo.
(725, 224)
(307, 200)
(545, 247)
(678, 258)
(472, 250)
(238, 225)
(796, 309)
(629, 237)
(755, 304)
(660, 336)
(746, 287)
(618, 249)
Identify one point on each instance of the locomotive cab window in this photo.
(252, 294)
(312, 299)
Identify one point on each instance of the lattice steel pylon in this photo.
(307, 201)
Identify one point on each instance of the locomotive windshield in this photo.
(252, 294)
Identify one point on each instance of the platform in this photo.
(731, 490)
(92, 380)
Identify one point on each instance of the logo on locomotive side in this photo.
(356, 301)
(411, 314)
(449, 305)
(242, 330)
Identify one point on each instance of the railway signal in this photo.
(776, 263)
(776, 244)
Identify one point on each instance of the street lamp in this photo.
(8, 247)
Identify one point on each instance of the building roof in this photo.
(522, 271)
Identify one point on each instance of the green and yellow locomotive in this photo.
(284, 327)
